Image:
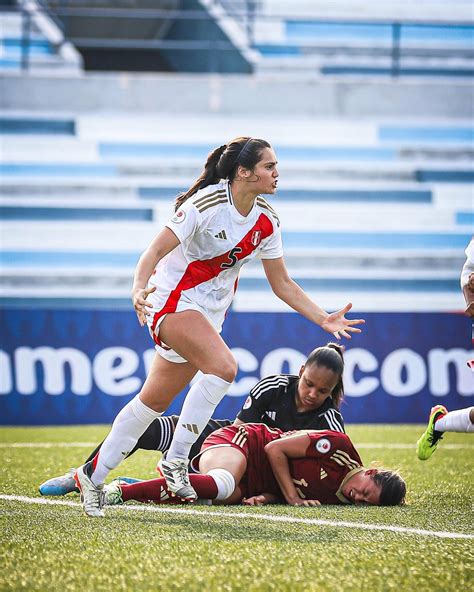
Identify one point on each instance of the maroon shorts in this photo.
(250, 439)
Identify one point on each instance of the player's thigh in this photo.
(165, 380)
(224, 457)
(193, 337)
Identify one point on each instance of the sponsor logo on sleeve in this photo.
(179, 217)
(248, 402)
(323, 446)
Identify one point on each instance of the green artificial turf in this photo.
(55, 547)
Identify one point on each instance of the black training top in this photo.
(272, 401)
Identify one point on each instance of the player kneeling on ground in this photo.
(255, 465)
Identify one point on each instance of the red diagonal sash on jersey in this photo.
(199, 272)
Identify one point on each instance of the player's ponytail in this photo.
(222, 163)
(331, 356)
(208, 176)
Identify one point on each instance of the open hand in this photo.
(140, 303)
(338, 325)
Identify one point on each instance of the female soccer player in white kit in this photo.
(184, 284)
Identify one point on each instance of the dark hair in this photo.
(393, 487)
(330, 356)
(222, 163)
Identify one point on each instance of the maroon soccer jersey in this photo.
(329, 458)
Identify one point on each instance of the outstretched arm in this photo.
(288, 290)
(278, 453)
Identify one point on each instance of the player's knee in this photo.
(224, 368)
(227, 370)
(225, 483)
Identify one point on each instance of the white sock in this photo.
(127, 428)
(225, 483)
(455, 421)
(198, 407)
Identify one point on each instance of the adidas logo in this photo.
(192, 427)
(271, 414)
(221, 234)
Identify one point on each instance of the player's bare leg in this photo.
(193, 337)
(222, 463)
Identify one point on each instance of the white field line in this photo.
(91, 445)
(250, 516)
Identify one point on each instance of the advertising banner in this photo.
(81, 366)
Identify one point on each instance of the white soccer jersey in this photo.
(215, 241)
(468, 267)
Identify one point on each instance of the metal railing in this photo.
(245, 12)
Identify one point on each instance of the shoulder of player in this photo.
(271, 383)
(333, 417)
(208, 198)
(263, 205)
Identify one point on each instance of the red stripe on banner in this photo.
(199, 272)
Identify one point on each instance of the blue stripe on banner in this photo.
(332, 195)
(425, 176)
(426, 134)
(108, 149)
(402, 381)
(59, 170)
(465, 218)
(52, 213)
(13, 125)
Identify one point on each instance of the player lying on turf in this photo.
(288, 402)
(255, 465)
(441, 420)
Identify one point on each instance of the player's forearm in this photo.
(281, 470)
(294, 296)
(144, 269)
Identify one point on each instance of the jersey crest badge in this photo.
(248, 403)
(323, 446)
(256, 237)
(180, 216)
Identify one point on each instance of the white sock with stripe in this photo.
(455, 421)
(198, 407)
(127, 428)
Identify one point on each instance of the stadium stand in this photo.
(428, 38)
(28, 37)
(354, 216)
(378, 204)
